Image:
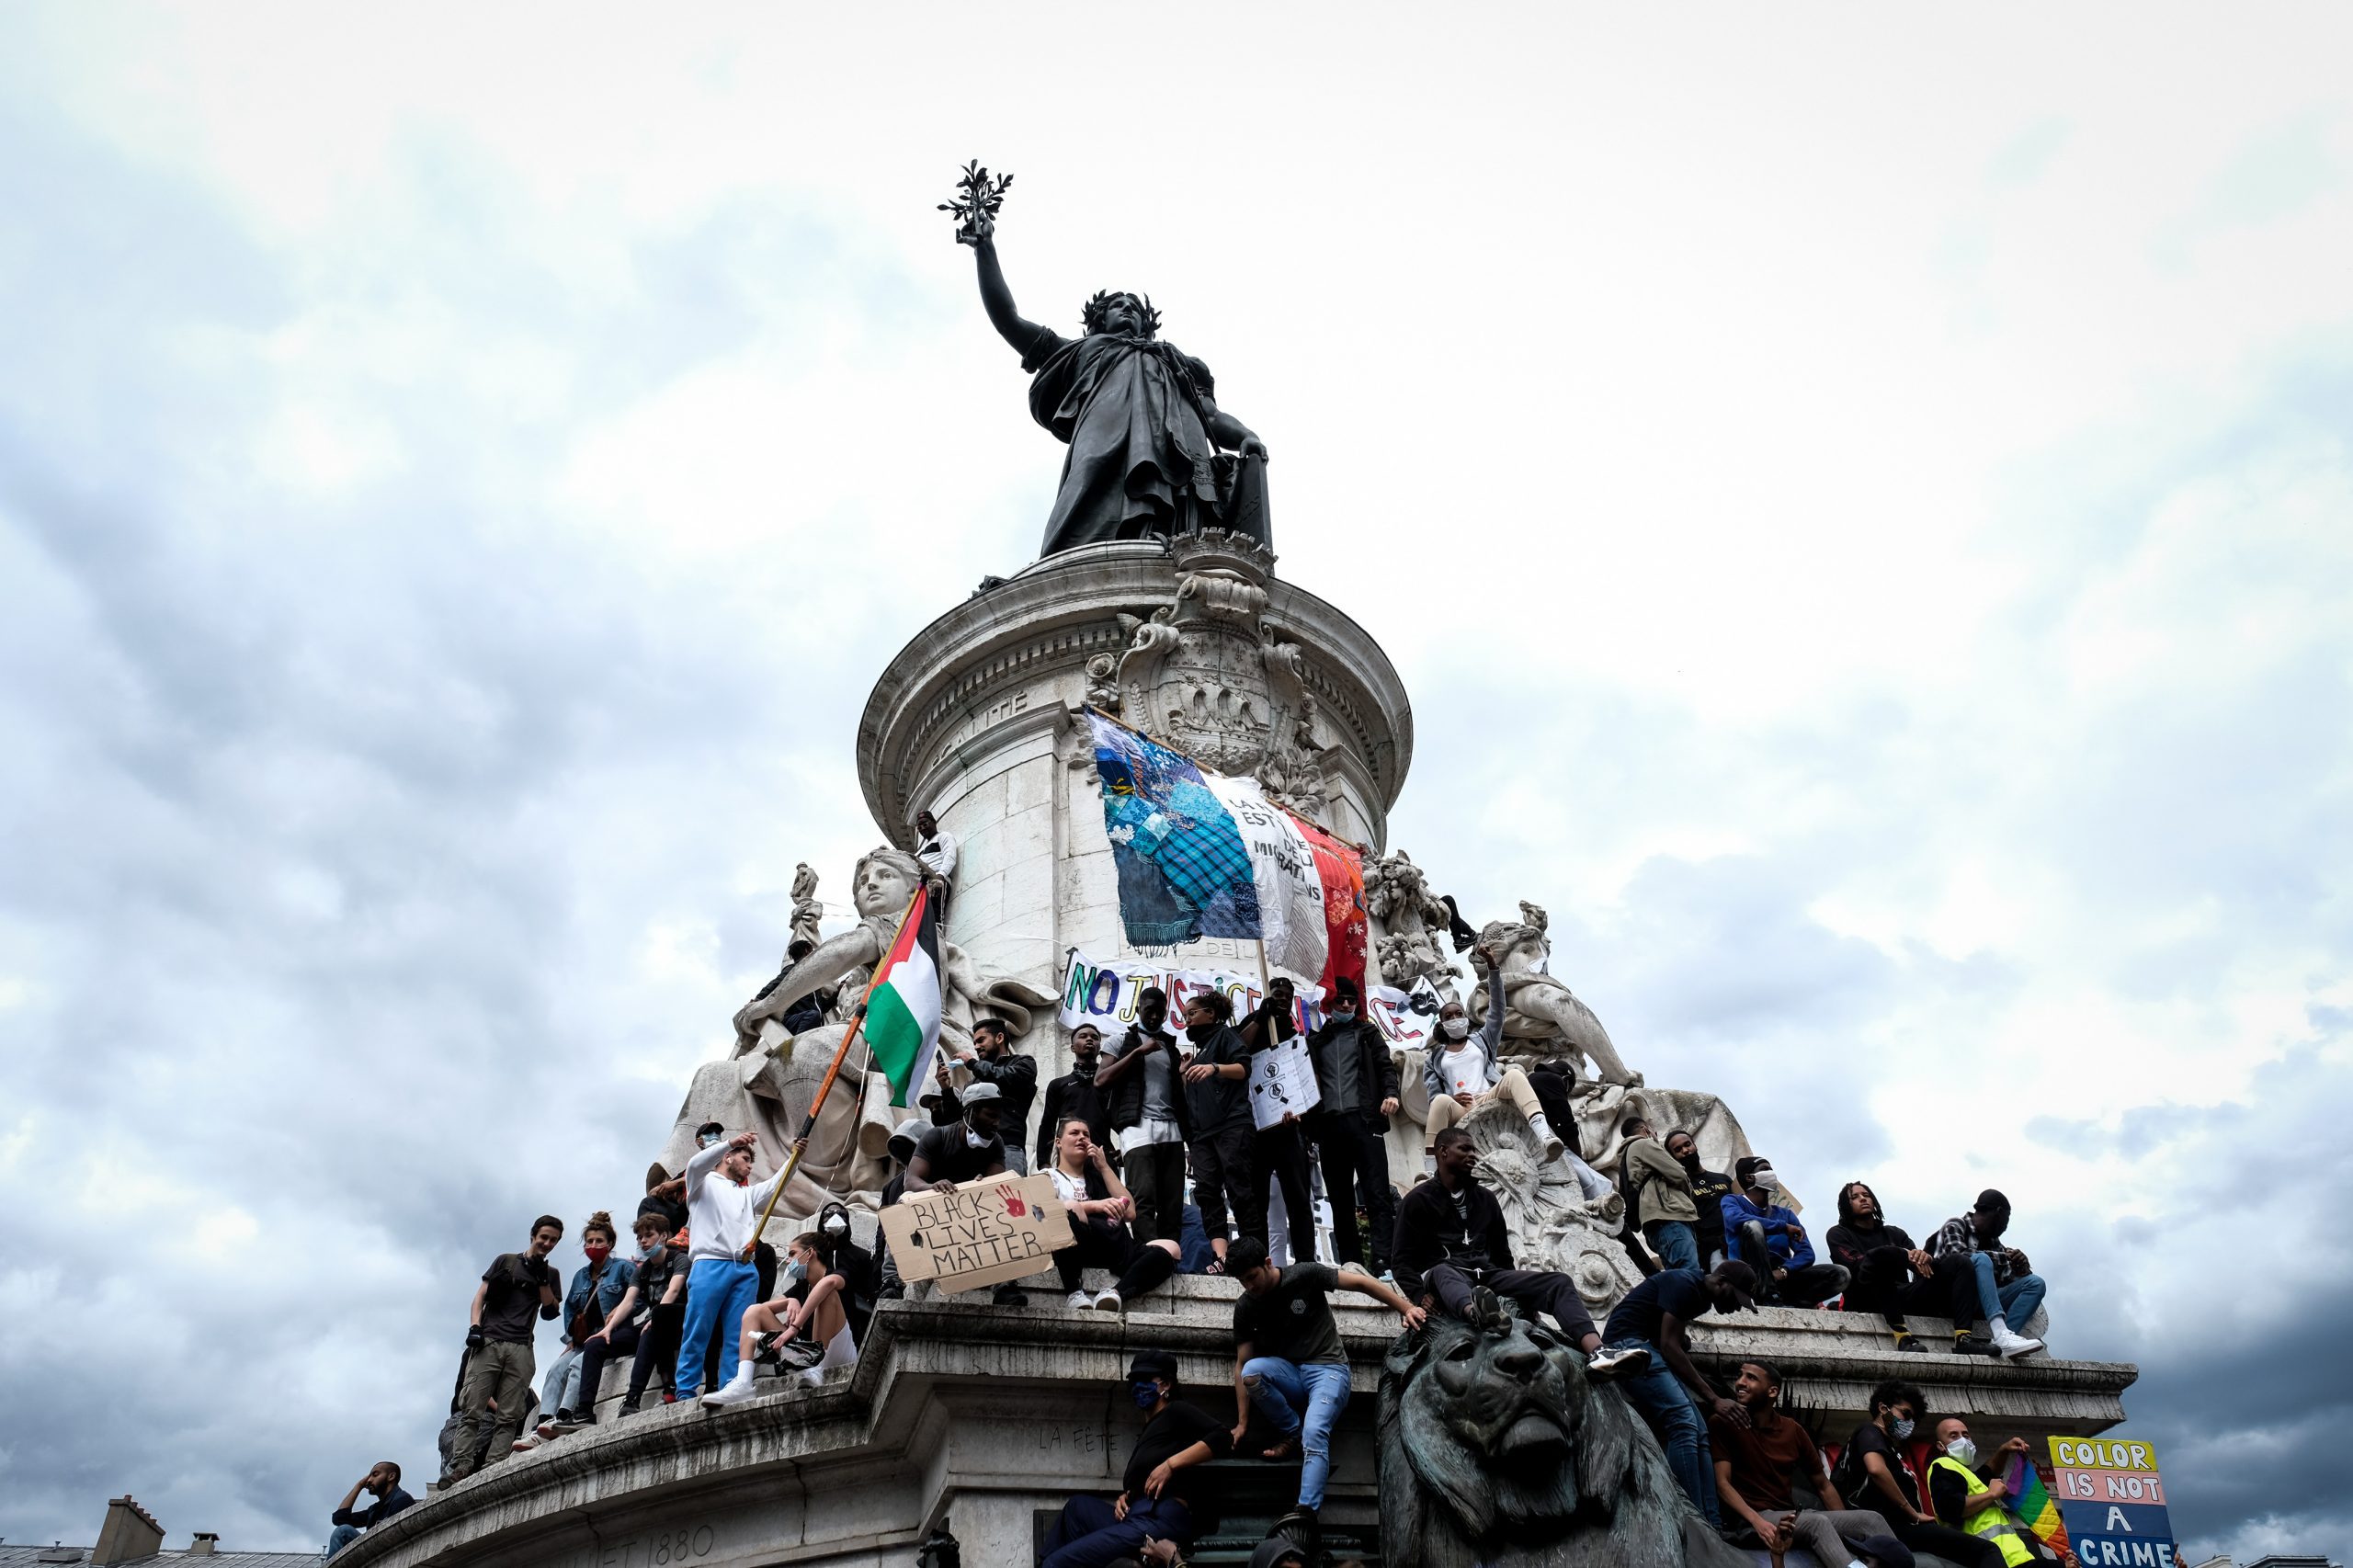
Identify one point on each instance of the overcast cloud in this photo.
(1865, 518)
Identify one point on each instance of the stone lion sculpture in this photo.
(1495, 1452)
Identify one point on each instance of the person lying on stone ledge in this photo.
(1764, 1232)
(1099, 1210)
(1755, 1463)
(1163, 1495)
(813, 1306)
(1452, 1242)
(968, 1149)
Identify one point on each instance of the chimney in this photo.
(129, 1532)
(206, 1543)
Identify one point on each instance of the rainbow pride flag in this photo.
(2032, 1504)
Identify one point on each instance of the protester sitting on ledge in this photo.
(1098, 1207)
(1764, 1232)
(597, 1287)
(517, 1290)
(861, 1275)
(1451, 1243)
(813, 1303)
(383, 1480)
(1659, 1193)
(1873, 1472)
(1890, 1274)
(966, 1150)
(1162, 1496)
(1289, 1361)
(2006, 1292)
(648, 1307)
(1967, 1494)
(1755, 1461)
(1707, 1190)
(1459, 1070)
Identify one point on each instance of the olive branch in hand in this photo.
(980, 195)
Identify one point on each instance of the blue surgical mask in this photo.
(1147, 1395)
(798, 1270)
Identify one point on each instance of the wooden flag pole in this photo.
(833, 1071)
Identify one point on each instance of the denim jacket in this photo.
(618, 1272)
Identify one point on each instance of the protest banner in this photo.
(2112, 1499)
(1103, 991)
(1406, 1019)
(1282, 1083)
(984, 1232)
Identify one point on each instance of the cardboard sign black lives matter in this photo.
(982, 1234)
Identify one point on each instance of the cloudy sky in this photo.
(1865, 516)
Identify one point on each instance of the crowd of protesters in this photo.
(1159, 1163)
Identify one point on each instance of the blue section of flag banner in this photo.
(2122, 1550)
(1183, 870)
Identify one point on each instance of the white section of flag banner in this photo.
(1291, 894)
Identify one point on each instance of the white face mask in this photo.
(1455, 1029)
(975, 1140)
(1963, 1450)
(1765, 1181)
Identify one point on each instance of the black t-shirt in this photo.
(1946, 1492)
(1855, 1481)
(1165, 1436)
(652, 1275)
(1707, 1188)
(670, 1209)
(1639, 1315)
(947, 1154)
(511, 1309)
(1293, 1321)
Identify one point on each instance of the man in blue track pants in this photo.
(721, 1209)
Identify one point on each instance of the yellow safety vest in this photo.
(1988, 1524)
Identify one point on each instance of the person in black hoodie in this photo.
(1452, 1247)
(1220, 1128)
(1357, 1078)
(1891, 1274)
(1143, 1098)
(1276, 1151)
(1074, 1095)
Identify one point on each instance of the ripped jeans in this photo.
(1282, 1390)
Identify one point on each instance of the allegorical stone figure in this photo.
(1141, 418)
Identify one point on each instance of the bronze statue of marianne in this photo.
(1150, 453)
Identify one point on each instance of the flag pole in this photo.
(841, 1054)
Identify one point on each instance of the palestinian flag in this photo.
(902, 1003)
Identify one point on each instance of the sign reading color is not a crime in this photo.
(984, 1232)
(2113, 1502)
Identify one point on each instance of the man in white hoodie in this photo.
(722, 1209)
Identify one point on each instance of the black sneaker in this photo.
(1973, 1344)
(1010, 1296)
(584, 1416)
(629, 1407)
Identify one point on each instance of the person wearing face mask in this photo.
(2003, 1290)
(1965, 1493)
(597, 1287)
(1459, 1071)
(1217, 1111)
(861, 1275)
(1277, 1153)
(992, 1060)
(812, 1301)
(965, 1151)
(1356, 1078)
(1873, 1472)
(1764, 1232)
(1074, 1095)
(1163, 1495)
(1143, 1098)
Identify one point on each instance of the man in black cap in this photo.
(1356, 1077)
(1672, 1393)
(1162, 1496)
(2007, 1291)
(968, 1149)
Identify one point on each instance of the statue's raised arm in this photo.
(1147, 438)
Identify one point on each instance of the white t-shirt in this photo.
(1069, 1188)
(1465, 1069)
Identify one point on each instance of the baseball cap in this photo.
(1158, 1364)
(976, 1094)
(904, 1141)
(1743, 1280)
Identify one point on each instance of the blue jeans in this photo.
(1282, 1390)
(1674, 1241)
(1666, 1404)
(718, 1290)
(2014, 1304)
(341, 1537)
(1087, 1536)
(562, 1384)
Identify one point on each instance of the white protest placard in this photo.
(1282, 1083)
(984, 1232)
(1406, 1019)
(1104, 992)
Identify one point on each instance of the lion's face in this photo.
(1491, 1416)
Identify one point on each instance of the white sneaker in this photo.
(2008, 1343)
(1554, 1147)
(1609, 1361)
(1108, 1302)
(734, 1391)
(1081, 1299)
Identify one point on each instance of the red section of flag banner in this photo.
(1341, 870)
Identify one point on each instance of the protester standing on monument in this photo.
(2007, 1291)
(383, 1482)
(965, 1151)
(1162, 1494)
(936, 851)
(1873, 1472)
(991, 1059)
(1670, 1388)
(1144, 1100)
(1660, 1196)
(1755, 1463)
(1892, 1276)
(1764, 1232)
(517, 1289)
(1099, 1206)
(1278, 1152)
(1965, 1493)
(1075, 1094)
(1451, 1243)
(1288, 1359)
(1355, 1080)
(597, 1287)
(1217, 1111)
(723, 1214)
(1708, 1189)
(814, 1302)
(1459, 1070)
